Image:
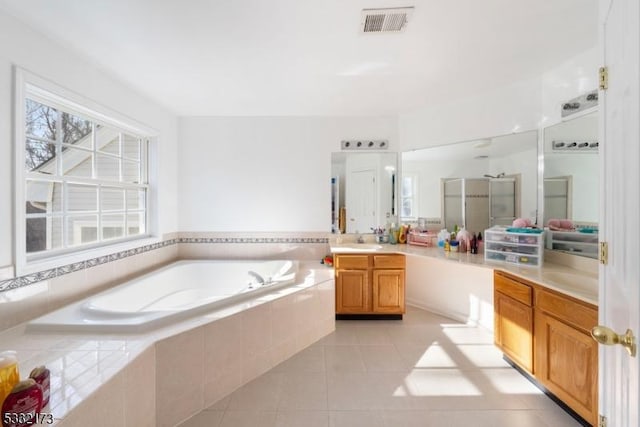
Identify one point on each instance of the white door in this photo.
(361, 201)
(619, 298)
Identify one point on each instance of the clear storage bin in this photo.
(526, 248)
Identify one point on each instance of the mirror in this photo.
(476, 183)
(363, 191)
(571, 168)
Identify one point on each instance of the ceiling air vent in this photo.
(385, 20)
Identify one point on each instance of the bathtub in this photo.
(179, 290)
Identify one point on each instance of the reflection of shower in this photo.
(500, 175)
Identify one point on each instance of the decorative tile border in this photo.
(253, 240)
(18, 282)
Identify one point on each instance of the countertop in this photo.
(576, 283)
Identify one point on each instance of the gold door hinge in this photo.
(603, 74)
(602, 421)
(604, 253)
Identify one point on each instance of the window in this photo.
(84, 176)
(408, 208)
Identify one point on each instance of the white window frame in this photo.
(29, 85)
(414, 198)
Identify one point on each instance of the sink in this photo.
(356, 247)
(579, 282)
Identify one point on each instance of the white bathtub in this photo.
(179, 290)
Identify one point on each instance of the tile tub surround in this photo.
(30, 296)
(165, 376)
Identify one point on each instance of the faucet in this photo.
(259, 279)
(359, 238)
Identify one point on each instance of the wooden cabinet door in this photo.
(513, 329)
(388, 291)
(352, 291)
(567, 364)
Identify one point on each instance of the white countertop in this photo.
(578, 284)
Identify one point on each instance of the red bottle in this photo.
(21, 407)
(41, 376)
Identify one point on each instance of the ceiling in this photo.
(303, 57)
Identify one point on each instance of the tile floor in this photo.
(425, 370)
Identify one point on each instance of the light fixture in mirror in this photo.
(571, 184)
(476, 183)
(363, 191)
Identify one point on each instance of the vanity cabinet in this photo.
(370, 284)
(546, 333)
(513, 319)
(566, 356)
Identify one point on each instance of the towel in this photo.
(560, 225)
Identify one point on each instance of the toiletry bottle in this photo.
(41, 375)
(443, 235)
(393, 235)
(402, 236)
(474, 244)
(22, 405)
(9, 374)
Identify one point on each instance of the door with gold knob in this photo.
(619, 296)
(608, 336)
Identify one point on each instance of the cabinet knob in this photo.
(608, 336)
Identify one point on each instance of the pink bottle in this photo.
(21, 407)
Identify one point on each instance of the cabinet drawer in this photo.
(388, 261)
(358, 262)
(516, 290)
(571, 312)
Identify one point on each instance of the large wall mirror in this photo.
(571, 185)
(363, 191)
(476, 184)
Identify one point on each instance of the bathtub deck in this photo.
(160, 377)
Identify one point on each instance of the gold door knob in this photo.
(607, 336)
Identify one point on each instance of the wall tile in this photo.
(140, 390)
(105, 407)
(222, 346)
(256, 330)
(179, 361)
(179, 377)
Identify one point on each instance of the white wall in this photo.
(23, 47)
(264, 173)
(515, 107)
(530, 104)
(576, 76)
(525, 105)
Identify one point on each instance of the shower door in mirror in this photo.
(502, 200)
